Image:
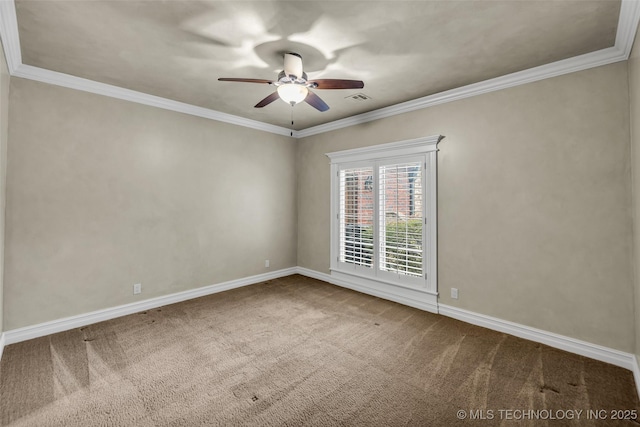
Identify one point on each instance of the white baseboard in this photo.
(403, 296)
(636, 373)
(572, 345)
(313, 274)
(2, 338)
(54, 326)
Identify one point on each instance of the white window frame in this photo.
(420, 292)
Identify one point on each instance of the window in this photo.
(384, 217)
(356, 216)
(401, 231)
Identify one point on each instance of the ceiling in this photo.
(402, 50)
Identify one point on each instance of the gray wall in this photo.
(535, 219)
(534, 202)
(104, 193)
(4, 126)
(634, 98)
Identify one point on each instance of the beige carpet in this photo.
(296, 351)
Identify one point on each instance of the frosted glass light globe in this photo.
(292, 93)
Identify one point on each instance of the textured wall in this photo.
(4, 125)
(634, 98)
(103, 193)
(534, 202)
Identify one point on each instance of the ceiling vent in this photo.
(359, 97)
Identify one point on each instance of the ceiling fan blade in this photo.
(232, 79)
(337, 84)
(268, 100)
(316, 102)
(293, 64)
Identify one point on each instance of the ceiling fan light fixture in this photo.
(292, 93)
(293, 86)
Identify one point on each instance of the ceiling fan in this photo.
(293, 87)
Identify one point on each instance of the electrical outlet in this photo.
(266, 263)
(454, 293)
(137, 288)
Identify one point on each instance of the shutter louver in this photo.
(400, 218)
(356, 216)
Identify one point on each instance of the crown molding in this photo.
(626, 31)
(78, 83)
(554, 69)
(11, 44)
(625, 34)
(627, 26)
(9, 35)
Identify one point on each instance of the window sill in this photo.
(412, 296)
(382, 281)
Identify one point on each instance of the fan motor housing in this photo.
(283, 78)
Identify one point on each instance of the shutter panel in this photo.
(401, 219)
(356, 216)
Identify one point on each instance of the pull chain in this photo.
(292, 119)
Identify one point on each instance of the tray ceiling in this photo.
(402, 50)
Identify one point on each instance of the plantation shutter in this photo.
(384, 227)
(356, 216)
(401, 219)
